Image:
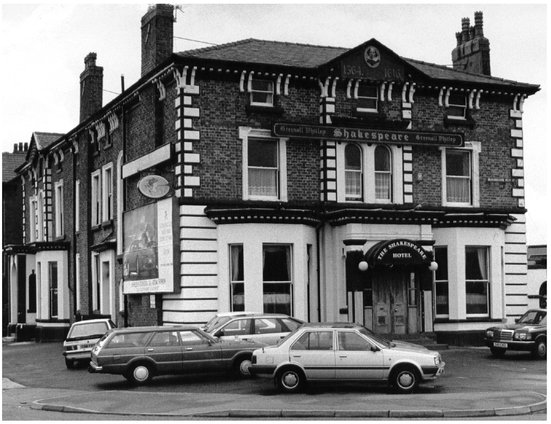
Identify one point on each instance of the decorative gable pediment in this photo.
(372, 61)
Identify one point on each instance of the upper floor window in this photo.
(96, 198)
(264, 165)
(458, 176)
(107, 192)
(383, 173)
(457, 108)
(368, 98)
(59, 223)
(262, 92)
(353, 172)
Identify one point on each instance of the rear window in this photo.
(87, 330)
(128, 340)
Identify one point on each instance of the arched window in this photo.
(543, 295)
(383, 173)
(353, 171)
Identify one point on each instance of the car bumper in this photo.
(527, 345)
(94, 368)
(430, 373)
(262, 370)
(77, 354)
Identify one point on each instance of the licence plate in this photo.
(496, 344)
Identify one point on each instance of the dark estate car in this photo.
(529, 333)
(140, 353)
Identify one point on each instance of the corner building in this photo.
(327, 183)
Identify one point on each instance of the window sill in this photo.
(107, 224)
(459, 122)
(264, 109)
(95, 227)
(456, 321)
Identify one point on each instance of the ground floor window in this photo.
(277, 279)
(441, 284)
(476, 280)
(237, 284)
(52, 277)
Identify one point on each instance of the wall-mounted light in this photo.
(433, 266)
(362, 266)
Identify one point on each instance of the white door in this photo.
(355, 360)
(315, 352)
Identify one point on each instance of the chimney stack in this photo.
(91, 87)
(472, 53)
(157, 36)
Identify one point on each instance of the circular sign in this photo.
(153, 186)
(372, 56)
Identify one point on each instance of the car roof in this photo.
(155, 328)
(91, 321)
(260, 315)
(330, 325)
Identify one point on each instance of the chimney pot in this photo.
(478, 24)
(465, 24)
(15, 148)
(21, 148)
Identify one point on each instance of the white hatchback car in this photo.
(82, 337)
(346, 352)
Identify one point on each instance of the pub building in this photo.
(328, 183)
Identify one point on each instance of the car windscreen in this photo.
(84, 331)
(374, 336)
(532, 317)
(215, 323)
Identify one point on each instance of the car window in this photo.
(532, 317)
(291, 324)
(129, 340)
(90, 329)
(267, 326)
(164, 338)
(237, 327)
(376, 337)
(314, 340)
(191, 338)
(352, 341)
(215, 322)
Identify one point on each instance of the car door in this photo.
(269, 330)
(165, 349)
(315, 352)
(355, 359)
(199, 354)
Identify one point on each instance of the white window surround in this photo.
(474, 147)
(244, 134)
(96, 197)
(360, 86)
(59, 221)
(107, 194)
(457, 106)
(77, 206)
(368, 165)
(269, 93)
(34, 222)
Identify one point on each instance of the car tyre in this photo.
(140, 373)
(70, 364)
(540, 352)
(290, 380)
(498, 352)
(241, 367)
(404, 379)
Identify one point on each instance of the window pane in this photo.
(238, 297)
(277, 298)
(476, 263)
(263, 182)
(442, 298)
(477, 297)
(441, 258)
(262, 85)
(262, 153)
(236, 263)
(267, 326)
(382, 159)
(458, 163)
(276, 263)
(165, 338)
(382, 186)
(266, 98)
(353, 184)
(457, 99)
(191, 338)
(238, 327)
(320, 340)
(353, 157)
(365, 90)
(352, 342)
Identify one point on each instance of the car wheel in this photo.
(139, 373)
(241, 366)
(404, 379)
(290, 380)
(497, 351)
(540, 351)
(70, 364)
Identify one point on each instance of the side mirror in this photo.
(375, 349)
(517, 320)
(219, 333)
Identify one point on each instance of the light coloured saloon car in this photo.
(81, 338)
(345, 352)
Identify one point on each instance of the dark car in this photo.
(140, 353)
(140, 261)
(529, 333)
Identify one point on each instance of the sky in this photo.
(43, 45)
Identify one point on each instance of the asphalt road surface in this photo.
(41, 365)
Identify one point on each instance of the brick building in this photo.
(327, 183)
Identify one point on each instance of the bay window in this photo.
(441, 282)
(477, 280)
(277, 279)
(237, 279)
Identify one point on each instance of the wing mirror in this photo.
(375, 349)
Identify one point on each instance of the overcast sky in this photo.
(43, 48)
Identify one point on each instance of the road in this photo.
(41, 366)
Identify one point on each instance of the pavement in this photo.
(227, 405)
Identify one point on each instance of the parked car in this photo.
(81, 338)
(140, 353)
(265, 328)
(344, 352)
(529, 333)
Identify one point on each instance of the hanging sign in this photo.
(154, 186)
(400, 252)
(337, 133)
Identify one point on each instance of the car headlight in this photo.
(489, 334)
(521, 335)
(437, 360)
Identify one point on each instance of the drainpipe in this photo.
(123, 202)
(74, 242)
(318, 266)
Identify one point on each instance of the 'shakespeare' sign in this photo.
(337, 133)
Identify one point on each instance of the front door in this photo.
(390, 307)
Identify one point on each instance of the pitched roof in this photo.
(10, 161)
(44, 139)
(307, 56)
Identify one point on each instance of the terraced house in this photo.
(327, 183)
